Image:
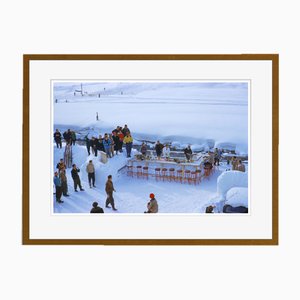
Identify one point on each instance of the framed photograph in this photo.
(150, 149)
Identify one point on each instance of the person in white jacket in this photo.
(166, 152)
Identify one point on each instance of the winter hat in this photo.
(95, 204)
(152, 196)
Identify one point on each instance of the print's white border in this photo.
(258, 225)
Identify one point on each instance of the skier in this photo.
(128, 143)
(90, 169)
(158, 149)
(64, 183)
(109, 189)
(58, 189)
(76, 178)
(152, 205)
(188, 153)
(57, 138)
(96, 209)
(97, 117)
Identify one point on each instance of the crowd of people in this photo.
(111, 143)
(69, 137)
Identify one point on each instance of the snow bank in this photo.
(237, 196)
(102, 170)
(230, 179)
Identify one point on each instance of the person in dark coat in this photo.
(109, 189)
(64, 182)
(158, 149)
(96, 209)
(188, 153)
(116, 141)
(57, 138)
(94, 145)
(76, 178)
(209, 209)
(68, 136)
(121, 138)
(73, 138)
(125, 130)
(58, 188)
(99, 144)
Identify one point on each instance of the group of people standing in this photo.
(112, 143)
(69, 137)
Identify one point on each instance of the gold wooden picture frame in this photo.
(30, 73)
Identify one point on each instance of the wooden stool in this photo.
(164, 174)
(139, 172)
(187, 176)
(157, 174)
(145, 172)
(171, 174)
(130, 171)
(193, 177)
(179, 175)
(198, 174)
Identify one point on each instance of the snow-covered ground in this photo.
(201, 114)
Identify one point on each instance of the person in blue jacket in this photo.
(58, 187)
(107, 145)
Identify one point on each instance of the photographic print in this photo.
(150, 147)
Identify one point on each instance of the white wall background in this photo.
(91, 272)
